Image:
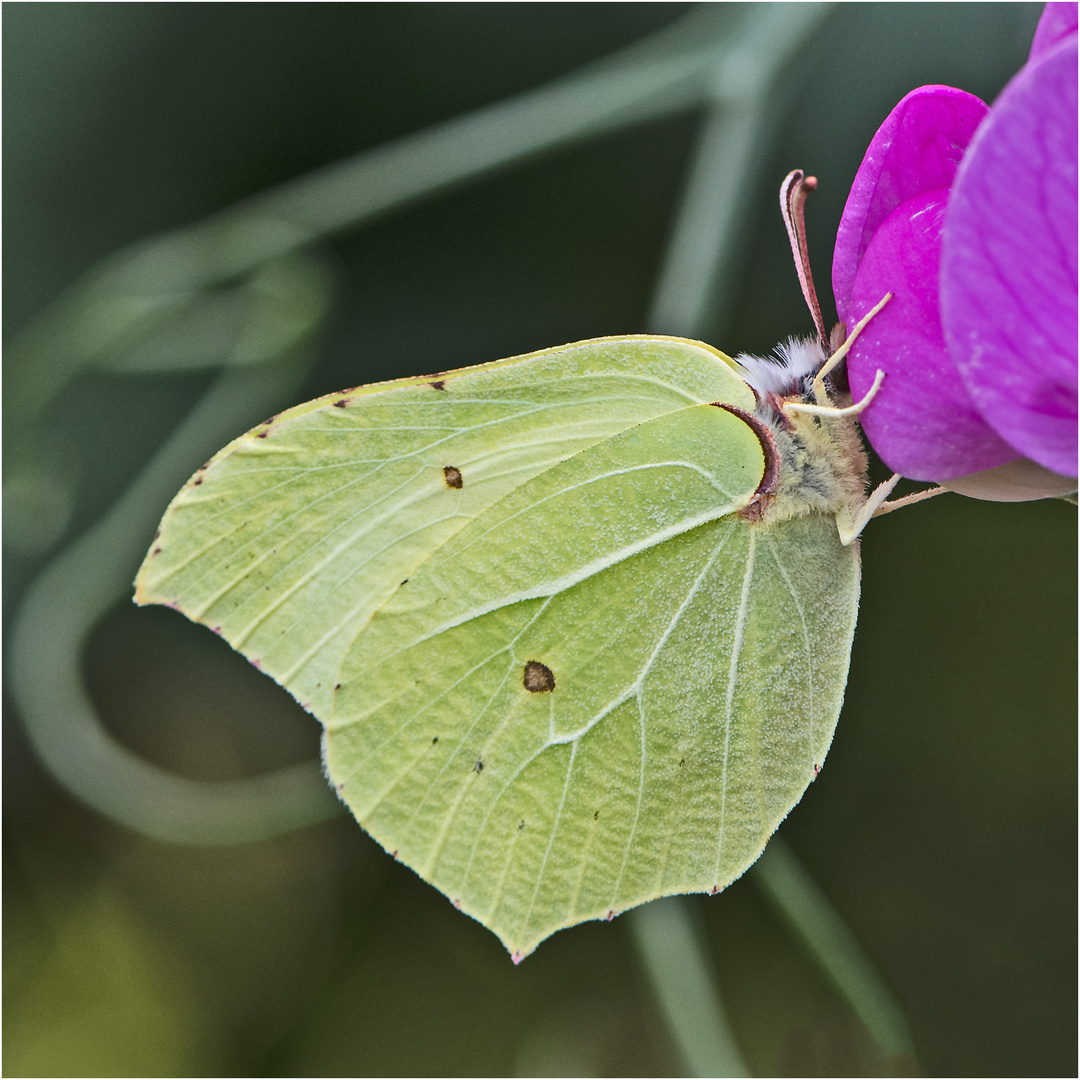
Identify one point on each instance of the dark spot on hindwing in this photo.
(452, 476)
(538, 678)
(438, 384)
(478, 767)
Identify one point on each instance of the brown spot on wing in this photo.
(452, 476)
(538, 678)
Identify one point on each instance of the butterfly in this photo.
(576, 624)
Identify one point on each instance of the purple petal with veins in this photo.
(918, 148)
(1009, 269)
(922, 422)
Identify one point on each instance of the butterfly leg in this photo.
(851, 522)
(876, 503)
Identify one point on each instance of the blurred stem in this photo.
(79, 586)
(667, 73)
(703, 251)
(674, 954)
(819, 926)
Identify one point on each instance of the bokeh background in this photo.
(943, 827)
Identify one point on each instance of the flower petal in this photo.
(1056, 21)
(922, 423)
(919, 147)
(1009, 264)
(1015, 481)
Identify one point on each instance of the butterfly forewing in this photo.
(292, 536)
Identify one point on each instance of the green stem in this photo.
(829, 939)
(700, 265)
(667, 73)
(79, 586)
(674, 955)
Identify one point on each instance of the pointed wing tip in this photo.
(146, 592)
(519, 950)
(144, 596)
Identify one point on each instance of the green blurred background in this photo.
(943, 825)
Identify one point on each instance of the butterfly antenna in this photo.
(793, 193)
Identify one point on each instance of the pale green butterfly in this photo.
(577, 623)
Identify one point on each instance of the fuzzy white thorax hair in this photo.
(789, 370)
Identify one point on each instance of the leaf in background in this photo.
(563, 664)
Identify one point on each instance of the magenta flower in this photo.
(968, 215)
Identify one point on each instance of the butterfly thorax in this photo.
(817, 463)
